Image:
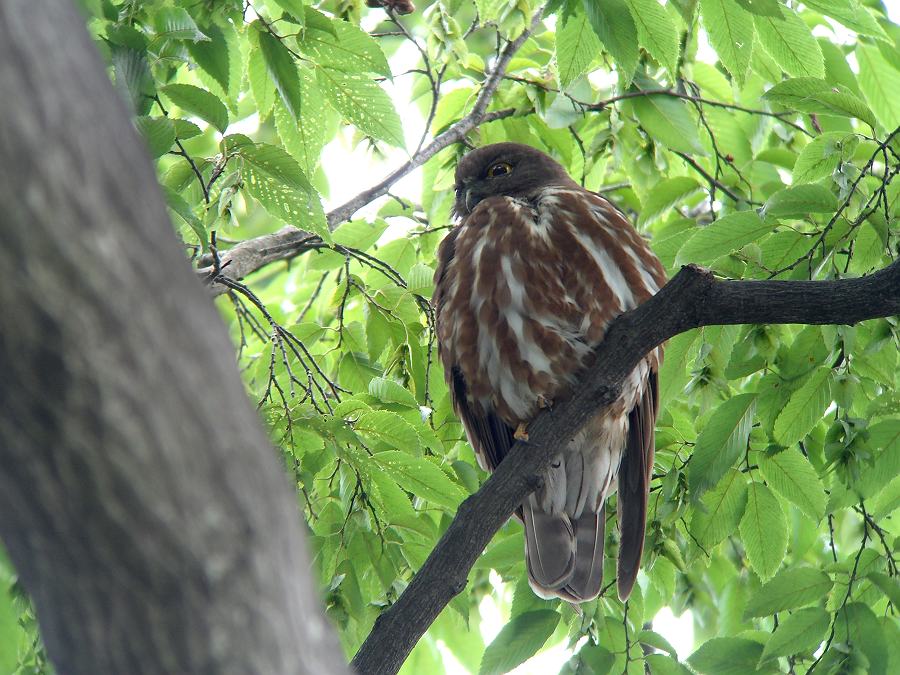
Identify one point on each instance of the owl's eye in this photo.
(499, 169)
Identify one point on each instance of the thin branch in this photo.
(289, 241)
(692, 299)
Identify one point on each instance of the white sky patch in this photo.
(678, 630)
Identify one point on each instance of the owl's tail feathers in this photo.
(549, 549)
(564, 556)
(587, 577)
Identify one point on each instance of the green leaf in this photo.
(198, 102)
(667, 120)
(868, 249)
(414, 474)
(880, 83)
(283, 71)
(420, 280)
(576, 46)
(665, 195)
(725, 235)
(890, 586)
(614, 25)
(133, 77)
(790, 588)
(503, 554)
(790, 42)
(261, 85)
(178, 204)
(303, 137)
(800, 200)
(721, 442)
(795, 479)
(674, 373)
(662, 664)
(726, 656)
(274, 178)
(813, 95)
(763, 531)
(175, 23)
(295, 8)
(762, 7)
(158, 133)
(347, 48)
(359, 234)
(656, 32)
(804, 408)
(518, 641)
(363, 103)
(730, 31)
(850, 13)
(213, 55)
(822, 156)
(801, 631)
(388, 427)
(857, 624)
(721, 512)
(389, 391)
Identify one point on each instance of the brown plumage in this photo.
(525, 287)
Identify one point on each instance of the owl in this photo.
(526, 284)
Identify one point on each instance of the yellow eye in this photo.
(499, 169)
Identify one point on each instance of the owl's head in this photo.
(506, 169)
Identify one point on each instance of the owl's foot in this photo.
(544, 403)
(521, 434)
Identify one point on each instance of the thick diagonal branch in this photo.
(289, 242)
(692, 299)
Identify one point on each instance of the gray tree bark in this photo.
(140, 500)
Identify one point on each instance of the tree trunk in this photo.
(140, 500)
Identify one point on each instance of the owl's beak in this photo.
(472, 198)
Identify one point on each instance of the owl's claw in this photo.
(521, 433)
(544, 403)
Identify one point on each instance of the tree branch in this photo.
(693, 298)
(289, 242)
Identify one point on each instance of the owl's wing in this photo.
(490, 437)
(635, 473)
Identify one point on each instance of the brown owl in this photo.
(526, 285)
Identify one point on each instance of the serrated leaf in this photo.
(673, 373)
(890, 586)
(656, 32)
(804, 408)
(303, 137)
(576, 46)
(185, 129)
(790, 42)
(668, 121)
(158, 134)
(721, 510)
(723, 236)
(518, 641)
(363, 103)
(665, 195)
(359, 234)
(614, 25)
(730, 31)
(799, 632)
(347, 48)
(213, 56)
(420, 280)
(790, 588)
(850, 13)
(721, 442)
(414, 474)
(176, 24)
(795, 479)
(880, 83)
(857, 624)
(133, 77)
(868, 249)
(389, 391)
(763, 531)
(814, 95)
(762, 7)
(261, 85)
(198, 102)
(295, 8)
(726, 656)
(501, 555)
(821, 156)
(800, 200)
(274, 178)
(390, 428)
(283, 71)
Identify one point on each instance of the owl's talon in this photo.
(521, 433)
(544, 403)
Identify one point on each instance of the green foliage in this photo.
(773, 512)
